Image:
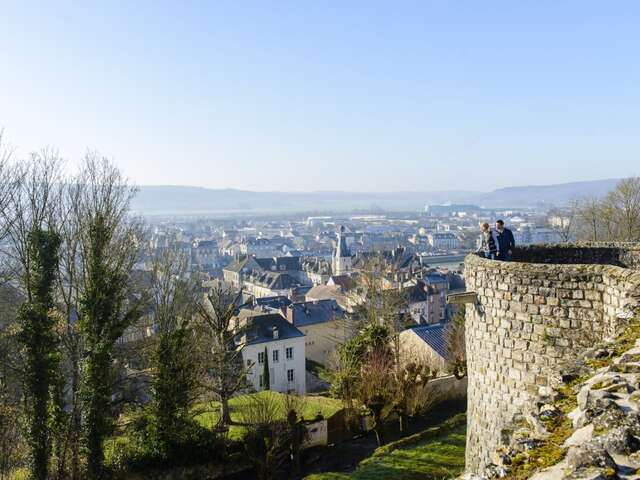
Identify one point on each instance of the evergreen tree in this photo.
(266, 381)
(39, 340)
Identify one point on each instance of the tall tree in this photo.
(266, 377)
(40, 343)
(108, 251)
(176, 367)
(31, 252)
(68, 293)
(223, 332)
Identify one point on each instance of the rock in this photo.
(602, 353)
(627, 367)
(538, 427)
(548, 412)
(609, 416)
(595, 474)
(495, 471)
(589, 398)
(619, 441)
(578, 418)
(580, 436)
(526, 444)
(589, 455)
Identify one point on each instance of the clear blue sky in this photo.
(322, 95)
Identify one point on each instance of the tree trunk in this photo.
(75, 422)
(225, 413)
(378, 432)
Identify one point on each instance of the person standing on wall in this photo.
(488, 242)
(506, 242)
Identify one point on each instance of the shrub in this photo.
(140, 447)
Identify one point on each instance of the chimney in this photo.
(290, 315)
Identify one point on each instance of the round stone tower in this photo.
(533, 315)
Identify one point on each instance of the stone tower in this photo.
(532, 316)
(341, 263)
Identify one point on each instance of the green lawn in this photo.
(311, 407)
(437, 459)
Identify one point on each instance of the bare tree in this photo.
(70, 288)
(563, 220)
(408, 381)
(375, 388)
(616, 217)
(223, 331)
(589, 220)
(622, 211)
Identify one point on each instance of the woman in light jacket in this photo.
(489, 242)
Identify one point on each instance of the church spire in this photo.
(342, 255)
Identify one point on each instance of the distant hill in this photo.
(560, 194)
(177, 200)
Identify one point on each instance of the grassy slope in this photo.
(312, 406)
(438, 458)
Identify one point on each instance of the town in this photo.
(299, 276)
(302, 240)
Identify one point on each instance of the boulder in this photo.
(580, 436)
(589, 455)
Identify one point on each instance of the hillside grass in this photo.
(436, 458)
(312, 406)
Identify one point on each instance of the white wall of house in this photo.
(322, 339)
(280, 371)
(259, 291)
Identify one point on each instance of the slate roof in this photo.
(434, 336)
(260, 329)
(273, 280)
(346, 282)
(435, 277)
(276, 302)
(238, 265)
(279, 263)
(313, 312)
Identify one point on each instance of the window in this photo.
(274, 355)
(248, 363)
(290, 375)
(260, 357)
(289, 353)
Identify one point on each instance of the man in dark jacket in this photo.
(506, 242)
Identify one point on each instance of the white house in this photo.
(271, 339)
(324, 325)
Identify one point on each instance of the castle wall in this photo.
(532, 318)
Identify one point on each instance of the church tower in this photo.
(342, 256)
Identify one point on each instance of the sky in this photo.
(328, 95)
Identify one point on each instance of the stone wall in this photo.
(534, 315)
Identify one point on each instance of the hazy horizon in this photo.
(384, 191)
(304, 97)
